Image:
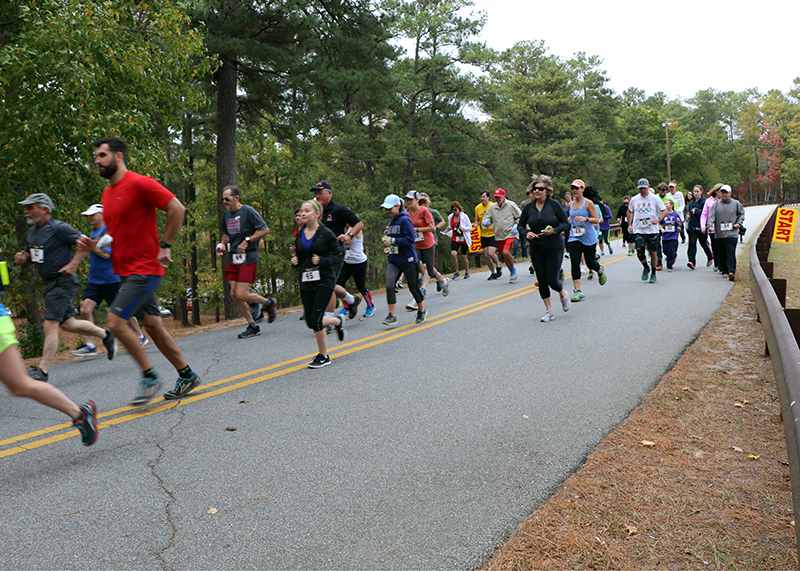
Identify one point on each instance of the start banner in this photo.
(784, 225)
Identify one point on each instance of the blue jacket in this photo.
(401, 229)
(695, 211)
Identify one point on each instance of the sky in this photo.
(676, 46)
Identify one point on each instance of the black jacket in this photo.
(330, 253)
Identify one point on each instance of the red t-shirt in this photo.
(422, 219)
(129, 210)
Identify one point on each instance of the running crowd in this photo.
(328, 250)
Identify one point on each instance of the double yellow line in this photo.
(38, 438)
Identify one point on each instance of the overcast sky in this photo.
(675, 46)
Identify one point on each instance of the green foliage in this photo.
(31, 340)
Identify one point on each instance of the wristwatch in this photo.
(350, 234)
(163, 244)
(247, 239)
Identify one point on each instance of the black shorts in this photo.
(101, 292)
(488, 242)
(454, 247)
(650, 241)
(58, 294)
(137, 295)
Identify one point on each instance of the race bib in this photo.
(239, 258)
(310, 275)
(645, 222)
(726, 226)
(669, 227)
(578, 230)
(393, 250)
(37, 255)
(418, 237)
(346, 254)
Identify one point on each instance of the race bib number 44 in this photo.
(239, 258)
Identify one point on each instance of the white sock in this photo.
(349, 298)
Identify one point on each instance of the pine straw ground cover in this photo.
(695, 478)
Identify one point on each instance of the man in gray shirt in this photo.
(726, 217)
(49, 245)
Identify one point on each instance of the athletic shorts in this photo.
(506, 244)
(488, 242)
(58, 294)
(7, 331)
(650, 241)
(244, 273)
(136, 296)
(454, 247)
(101, 292)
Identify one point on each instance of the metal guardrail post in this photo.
(785, 355)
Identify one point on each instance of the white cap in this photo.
(93, 209)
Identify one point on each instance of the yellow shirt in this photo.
(480, 210)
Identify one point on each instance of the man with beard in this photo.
(49, 245)
(129, 207)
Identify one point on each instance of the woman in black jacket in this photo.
(317, 258)
(543, 222)
(696, 235)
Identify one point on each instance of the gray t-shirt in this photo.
(50, 246)
(238, 226)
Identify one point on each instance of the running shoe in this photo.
(456, 276)
(659, 268)
(37, 374)
(390, 320)
(319, 362)
(344, 310)
(577, 295)
(584, 269)
(108, 343)
(669, 269)
(690, 265)
(536, 284)
(716, 269)
(610, 250)
(601, 277)
(182, 387)
(724, 276)
(252, 330)
(531, 270)
(255, 311)
(370, 311)
(438, 287)
(591, 275)
(566, 255)
(513, 277)
(412, 306)
(424, 292)
(85, 350)
(653, 278)
(630, 252)
(466, 275)
(341, 332)
(499, 273)
(422, 315)
(144, 340)
(446, 287)
(147, 390)
(732, 277)
(353, 307)
(399, 285)
(646, 273)
(272, 309)
(548, 316)
(87, 423)
(492, 276)
(564, 301)
(709, 263)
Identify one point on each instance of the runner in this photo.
(49, 244)
(242, 229)
(317, 257)
(459, 230)
(543, 222)
(711, 198)
(582, 237)
(670, 226)
(696, 234)
(645, 212)
(103, 283)
(503, 215)
(424, 231)
(336, 218)
(399, 244)
(425, 200)
(488, 242)
(355, 265)
(726, 218)
(622, 220)
(12, 375)
(129, 206)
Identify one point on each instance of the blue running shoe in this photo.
(87, 423)
(370, 311)
(183, 386)
(147, 390)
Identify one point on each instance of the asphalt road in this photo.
(418, 448)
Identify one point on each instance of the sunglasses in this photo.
(539, 188)
(575, 187)
(226, 199)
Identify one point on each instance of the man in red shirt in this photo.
(129, 207)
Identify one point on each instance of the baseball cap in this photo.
(412, 194)
(93, 209)
(672, 185)
(500, 192)
(322, 185)
(725, 188)
(38, 198)
(391, 201)
(643, 183)
(578, 182)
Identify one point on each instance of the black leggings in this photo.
(547, 263)
(575, 249)
(695, 237)
(393, 272)
(359, 273)
(426, 257)
(315, 302)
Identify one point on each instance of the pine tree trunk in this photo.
(226, 150)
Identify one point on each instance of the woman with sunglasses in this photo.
(582, 237)
(424, 242)
(542, 222)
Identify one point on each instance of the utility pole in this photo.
(666, 129)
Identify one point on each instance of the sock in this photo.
(149, 374)
(349, 298)
(329, 314)
(185, 373)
